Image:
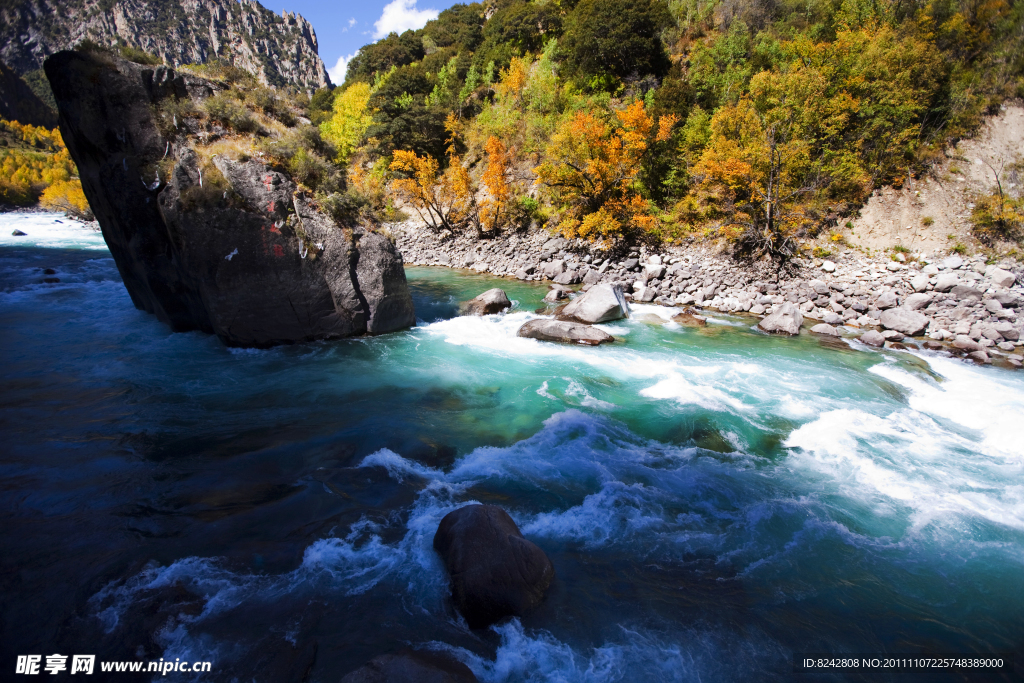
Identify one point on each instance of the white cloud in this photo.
(401, 15)
(351, 22)
(337, 73)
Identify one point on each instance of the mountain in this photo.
(279, 50)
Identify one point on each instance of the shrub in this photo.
(927, 221)
(134, 54)
(171, 113)
(442, 200)
(67, 196)
(210, 190)
(17, 194)
(998, 216)
(959, 248)
(225, 107)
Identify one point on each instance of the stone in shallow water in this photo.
(495, 572)
(492, 301)
(554, 296)
(601, 303)
(690, 318)
(19, 233)
(785, 319)
(872, 338)
(979, 356)
(962, 341)
(564, 331)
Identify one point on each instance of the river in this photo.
(714, 500)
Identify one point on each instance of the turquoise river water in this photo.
(714, 501)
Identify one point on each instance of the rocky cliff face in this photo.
(231, 247)
(279, 50)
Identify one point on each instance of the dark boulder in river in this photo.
(204, 242)
(412, 666)
(495, 572)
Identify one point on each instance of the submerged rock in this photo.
(492, 301)
(564, 331)
(690, 318)
(495, 572)
(822, 328)
(873, 338)
(599, 304)
(231, 248)
(554, 296)
(786, 319)
(412, 666)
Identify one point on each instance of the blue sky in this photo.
(344, 27)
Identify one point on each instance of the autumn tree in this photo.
(751, 177)
(496, 208)
(592, 169)
(442, 199)
(349, 120)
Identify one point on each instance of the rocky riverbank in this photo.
(961, 303)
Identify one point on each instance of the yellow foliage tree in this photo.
(592, 170)
(67, 196)
(513, 78)
(495, 209)
(41, 161)
(442, 200)
(351, 118)
(751, 175)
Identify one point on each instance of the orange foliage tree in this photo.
(592, 170)
(495, 209)
(752, 175)
(443, 200)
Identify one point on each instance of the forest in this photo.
(756, 122)
(35, 167)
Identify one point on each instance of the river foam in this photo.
(50, 230)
